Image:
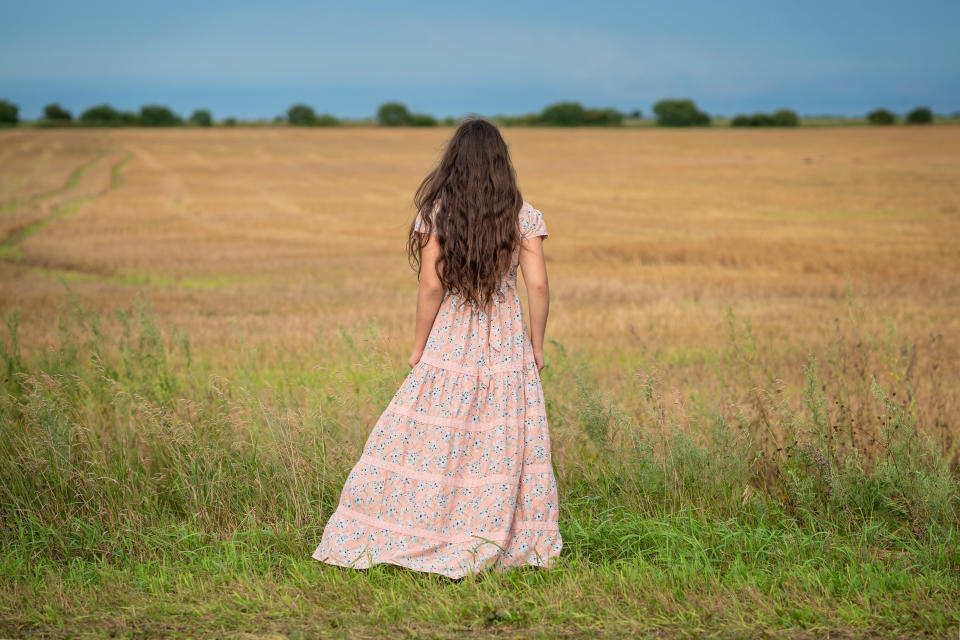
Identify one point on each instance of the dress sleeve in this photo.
(418, 222)
(531, 222)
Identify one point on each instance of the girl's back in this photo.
(468, 335)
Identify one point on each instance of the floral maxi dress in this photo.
(456, 475)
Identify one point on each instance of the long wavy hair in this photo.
(471, 200)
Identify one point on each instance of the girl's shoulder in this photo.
(423, 215)
(531, 221)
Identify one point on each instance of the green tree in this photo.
(881, 117)
(201, 118)
(422, 120)
(636, 114)
(564, 114)
(393, 114)
(781, 118)
(230, 122)
(679, 112)
(301, 115)
(9, 113)
(603, 117)
(785, 118)
(54, 111)
(156, 115)
(101, 114)
(920, 115)
(526, 120)
(326, 120)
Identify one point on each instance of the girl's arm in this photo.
(534, 270)
(429, 297)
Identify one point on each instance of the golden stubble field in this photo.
(814, 236)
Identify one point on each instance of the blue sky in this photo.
(448, 58)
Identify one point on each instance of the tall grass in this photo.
(145, 489)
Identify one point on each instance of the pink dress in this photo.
(456, 475)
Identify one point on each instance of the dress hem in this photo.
(535, 525)
(397, 561)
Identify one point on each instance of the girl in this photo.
(456, 475)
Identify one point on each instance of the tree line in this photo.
(669, 112)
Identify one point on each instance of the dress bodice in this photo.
(468, 337)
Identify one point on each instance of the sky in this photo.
(253, 60)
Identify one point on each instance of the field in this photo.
(752, 377)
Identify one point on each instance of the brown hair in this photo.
(473, 196)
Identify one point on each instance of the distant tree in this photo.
(920, 115)
(449, 121)
(201, 118)
(279, 119)
(881, 117)
(603, 117)
(54, 111)
(781, 118)
(301, 115)
(564, 114)
(526, 120)
(9, 113)
(393, 114)
(422, 120)
(326, 120)
(636, 114)
(230, 122)
(156, 115)
(785, 118)
(679, 112)
(101, 114)
(128, 118)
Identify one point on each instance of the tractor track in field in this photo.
(71, 182)
(61, 202)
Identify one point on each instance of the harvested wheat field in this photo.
(788, 300)
(655, 235)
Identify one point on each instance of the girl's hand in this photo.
(538, 358)
(414, 357)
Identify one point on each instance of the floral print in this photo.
(456, 475)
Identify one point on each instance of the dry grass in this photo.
(655, 234)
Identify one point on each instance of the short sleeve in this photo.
(418, 222)
(531, 222)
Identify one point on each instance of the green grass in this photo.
(150, 491)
